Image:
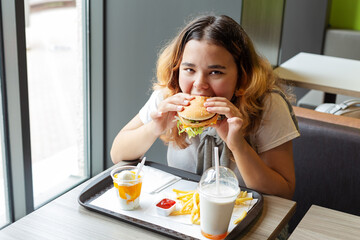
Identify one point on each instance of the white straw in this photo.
(216, 153)
(140, 167)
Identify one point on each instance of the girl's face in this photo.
(208, 70)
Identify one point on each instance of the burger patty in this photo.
(195, 121)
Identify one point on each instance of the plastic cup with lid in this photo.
(217, 199)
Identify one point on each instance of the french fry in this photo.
(242, 198)
(185, 206)
(243, 194)
(175, 213)
(241, 217)
(181, 191)
(190, 205)
(195, 213)
(186, 195)
(197, 221)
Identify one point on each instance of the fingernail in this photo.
(179, 108)
(186, 102)
(159, 114)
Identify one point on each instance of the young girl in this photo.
(213, 56)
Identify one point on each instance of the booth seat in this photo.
(327, 163)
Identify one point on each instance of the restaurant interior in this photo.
(314, 48)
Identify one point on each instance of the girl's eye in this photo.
(188, 70)
(216, 73)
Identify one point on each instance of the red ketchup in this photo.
(166, 203)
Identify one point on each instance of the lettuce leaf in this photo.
(191, 131)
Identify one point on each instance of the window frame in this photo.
(17, 144)
(97, 77)
(17, 115)
(4, 131)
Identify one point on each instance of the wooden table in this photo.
(329, 74)
(64, 218)
(323, 223)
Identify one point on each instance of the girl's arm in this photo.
(136, 138)
(271, 172)
(133, 140)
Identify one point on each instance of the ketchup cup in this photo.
(165, 207)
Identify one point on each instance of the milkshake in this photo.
(217, 202)
(128, 186)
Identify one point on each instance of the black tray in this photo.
(101, 184)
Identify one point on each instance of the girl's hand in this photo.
(229, 129)
(164, 117)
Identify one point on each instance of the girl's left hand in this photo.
(230, 128)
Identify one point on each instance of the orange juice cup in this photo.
(128, 187)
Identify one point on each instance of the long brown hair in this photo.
(255, 75)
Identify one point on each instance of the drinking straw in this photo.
(140, 167)
(216, 153)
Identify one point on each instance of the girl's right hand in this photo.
(164, 117)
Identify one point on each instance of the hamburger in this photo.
(194, 118)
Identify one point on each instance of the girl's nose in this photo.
(201, 82)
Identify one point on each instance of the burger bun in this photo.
(196, 115)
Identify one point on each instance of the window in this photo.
(51, 125)
(45, 121)
(54, 49)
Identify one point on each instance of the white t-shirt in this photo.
(276, 128)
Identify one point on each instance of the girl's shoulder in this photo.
(277, 97)
(279, 106)
(276, 102)
(157, 95)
